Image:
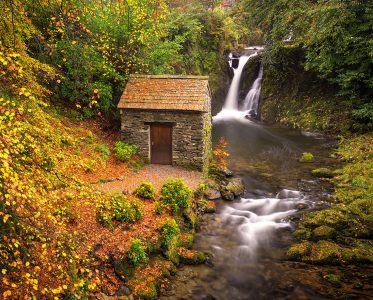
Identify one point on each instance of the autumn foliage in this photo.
(220, 154)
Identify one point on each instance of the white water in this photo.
(251, 101)
(250, 107)
(231, 99)
(257, 220)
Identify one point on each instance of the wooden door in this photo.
(161, 144)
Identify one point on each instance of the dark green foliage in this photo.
(335, 37)
(136, 254)
(145, 190)
(176, 194)
(124, 151)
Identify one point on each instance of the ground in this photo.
(115, 177)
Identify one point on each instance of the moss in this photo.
(323, 233)
(323, 173)
(148, 292)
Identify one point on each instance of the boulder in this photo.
(227, 195)
(212, 194)
(235, 186)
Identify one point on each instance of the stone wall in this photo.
(189, 141)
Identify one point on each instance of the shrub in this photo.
(146, 190)
(306, 157)
(126, 211)
(104, 214)
(136, 254)
(118, 208)
(124, 151)
(104, 150)
(176, 194)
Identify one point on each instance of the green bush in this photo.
(176, 194)
(145, 190)
(136, 254)
(124, 151)
(120, 209)
(126, 211)
(104, 150)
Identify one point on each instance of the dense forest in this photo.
(64, 63)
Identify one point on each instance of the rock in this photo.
(123, 290)
(228, 173)
(235, 186)
(323, 173)
(301, 206)
(102, 296)
(212, 194)
(227, 195)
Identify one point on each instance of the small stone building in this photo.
(169, 118)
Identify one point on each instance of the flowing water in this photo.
(249, 237)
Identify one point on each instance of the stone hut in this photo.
(169, 118)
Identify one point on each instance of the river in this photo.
(248, 237)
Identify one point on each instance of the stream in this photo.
(248, 237)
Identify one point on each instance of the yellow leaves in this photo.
(73, 42)
(5, 218)
(3, 271)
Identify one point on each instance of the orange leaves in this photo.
(220, 154)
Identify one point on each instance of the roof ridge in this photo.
(166, 76)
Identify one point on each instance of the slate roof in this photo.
(166, 92)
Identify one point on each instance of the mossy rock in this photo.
(148, 292)
(325, 252)
(323, 173)
(186, 240)
(234, 188)
(191, 257)
(333, 279)
(323, 233)
(124, 269)
(298, 251)
(190, 219)
(307, 157)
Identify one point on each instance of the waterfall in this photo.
(231, 101)
(251, 101)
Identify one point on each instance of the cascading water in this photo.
(251, 102)
(231, 99)
(248, 237)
